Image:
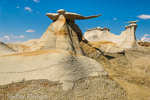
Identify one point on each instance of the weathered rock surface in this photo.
(126, 39)
(69, 15)
(54, 65)
(106, 46)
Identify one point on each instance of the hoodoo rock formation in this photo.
(63, 33)
(126, 39)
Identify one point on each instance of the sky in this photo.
(22, 20)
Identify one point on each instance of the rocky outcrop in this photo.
(126, 39)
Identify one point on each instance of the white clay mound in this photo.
(54, 65)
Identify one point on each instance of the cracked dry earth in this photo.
(129, 79)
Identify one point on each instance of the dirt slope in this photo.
(132, 71)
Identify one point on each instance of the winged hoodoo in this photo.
(63, 33)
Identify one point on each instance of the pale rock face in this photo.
(5, 49)
(126, 39)
(53, 64)
(107, 47)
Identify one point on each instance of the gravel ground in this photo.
(92, 88)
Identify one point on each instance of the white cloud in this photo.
(36, 0)
(11, 38)
(28, 8)
(21, 36)
(143, 16)
(17, 7)
(15, 37)
(115, 18)
(30, 30)
(38, 12)
(145, 38)
(7, 37)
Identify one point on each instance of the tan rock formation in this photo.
(63, 33)
(54, 65)
(126, 39)
(22, 46)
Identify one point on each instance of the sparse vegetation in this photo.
(146, 44)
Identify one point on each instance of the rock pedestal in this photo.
(63, 33)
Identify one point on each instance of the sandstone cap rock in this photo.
(69, 15)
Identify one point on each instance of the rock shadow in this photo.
(109, 57)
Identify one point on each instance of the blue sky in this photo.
(22, 20)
